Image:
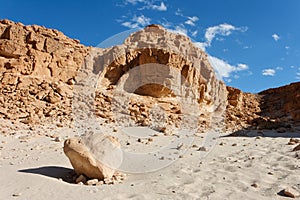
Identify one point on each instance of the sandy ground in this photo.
(33, 166)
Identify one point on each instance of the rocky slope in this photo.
(277, 108)
(40, 68)
(37, 70)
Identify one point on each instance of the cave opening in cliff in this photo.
(149, 72)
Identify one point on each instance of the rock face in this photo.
(282, 102)
(277, 108)
(95, 156)
(154, 71)
(242, 109)
(37, 67)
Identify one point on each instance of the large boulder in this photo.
(96, 156)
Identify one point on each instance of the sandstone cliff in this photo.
(41, 68)
(270, 109)
(37, 68)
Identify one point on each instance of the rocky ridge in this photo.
(39, 68)
(37, 71)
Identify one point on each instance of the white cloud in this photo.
(268, 72)
(194, 33)
(200, 45)
(279, 68)
(161, 7)
(223, 69)
(137, 21)
(179, 12)
(142, 20)
(130, 24)
(298, 75)
(221, 29)
(134, 1)
(236, 76)
(275, 37)
(241, 67)
(191, 20)
(148, 4)
(179, 29)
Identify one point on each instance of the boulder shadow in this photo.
(281, 193)
(262, 133)
(66, 174)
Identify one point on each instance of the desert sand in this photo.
(33, 166)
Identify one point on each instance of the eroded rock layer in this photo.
(37, 71)
(155, 68)
(154, 71)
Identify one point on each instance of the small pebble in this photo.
(57, 139)
(100, 183)
(80, 178)
(291, 192)
(255, 185)
(16, 194)
(92, 182)
(297, 148)
(162, 158)
(235, 144)
(202, 149)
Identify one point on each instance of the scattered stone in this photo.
(221, 143)
(235, 144)
(58, 139)
(297, 148)
(179, 146)
(100, 183)
(81, 178)
(202, 149)
(270, 173)
(291, 192)
(255, 185)
(139, 140)
(16, 194)
(92, 182)
(293, 141)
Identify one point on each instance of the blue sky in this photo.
(253, 44)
